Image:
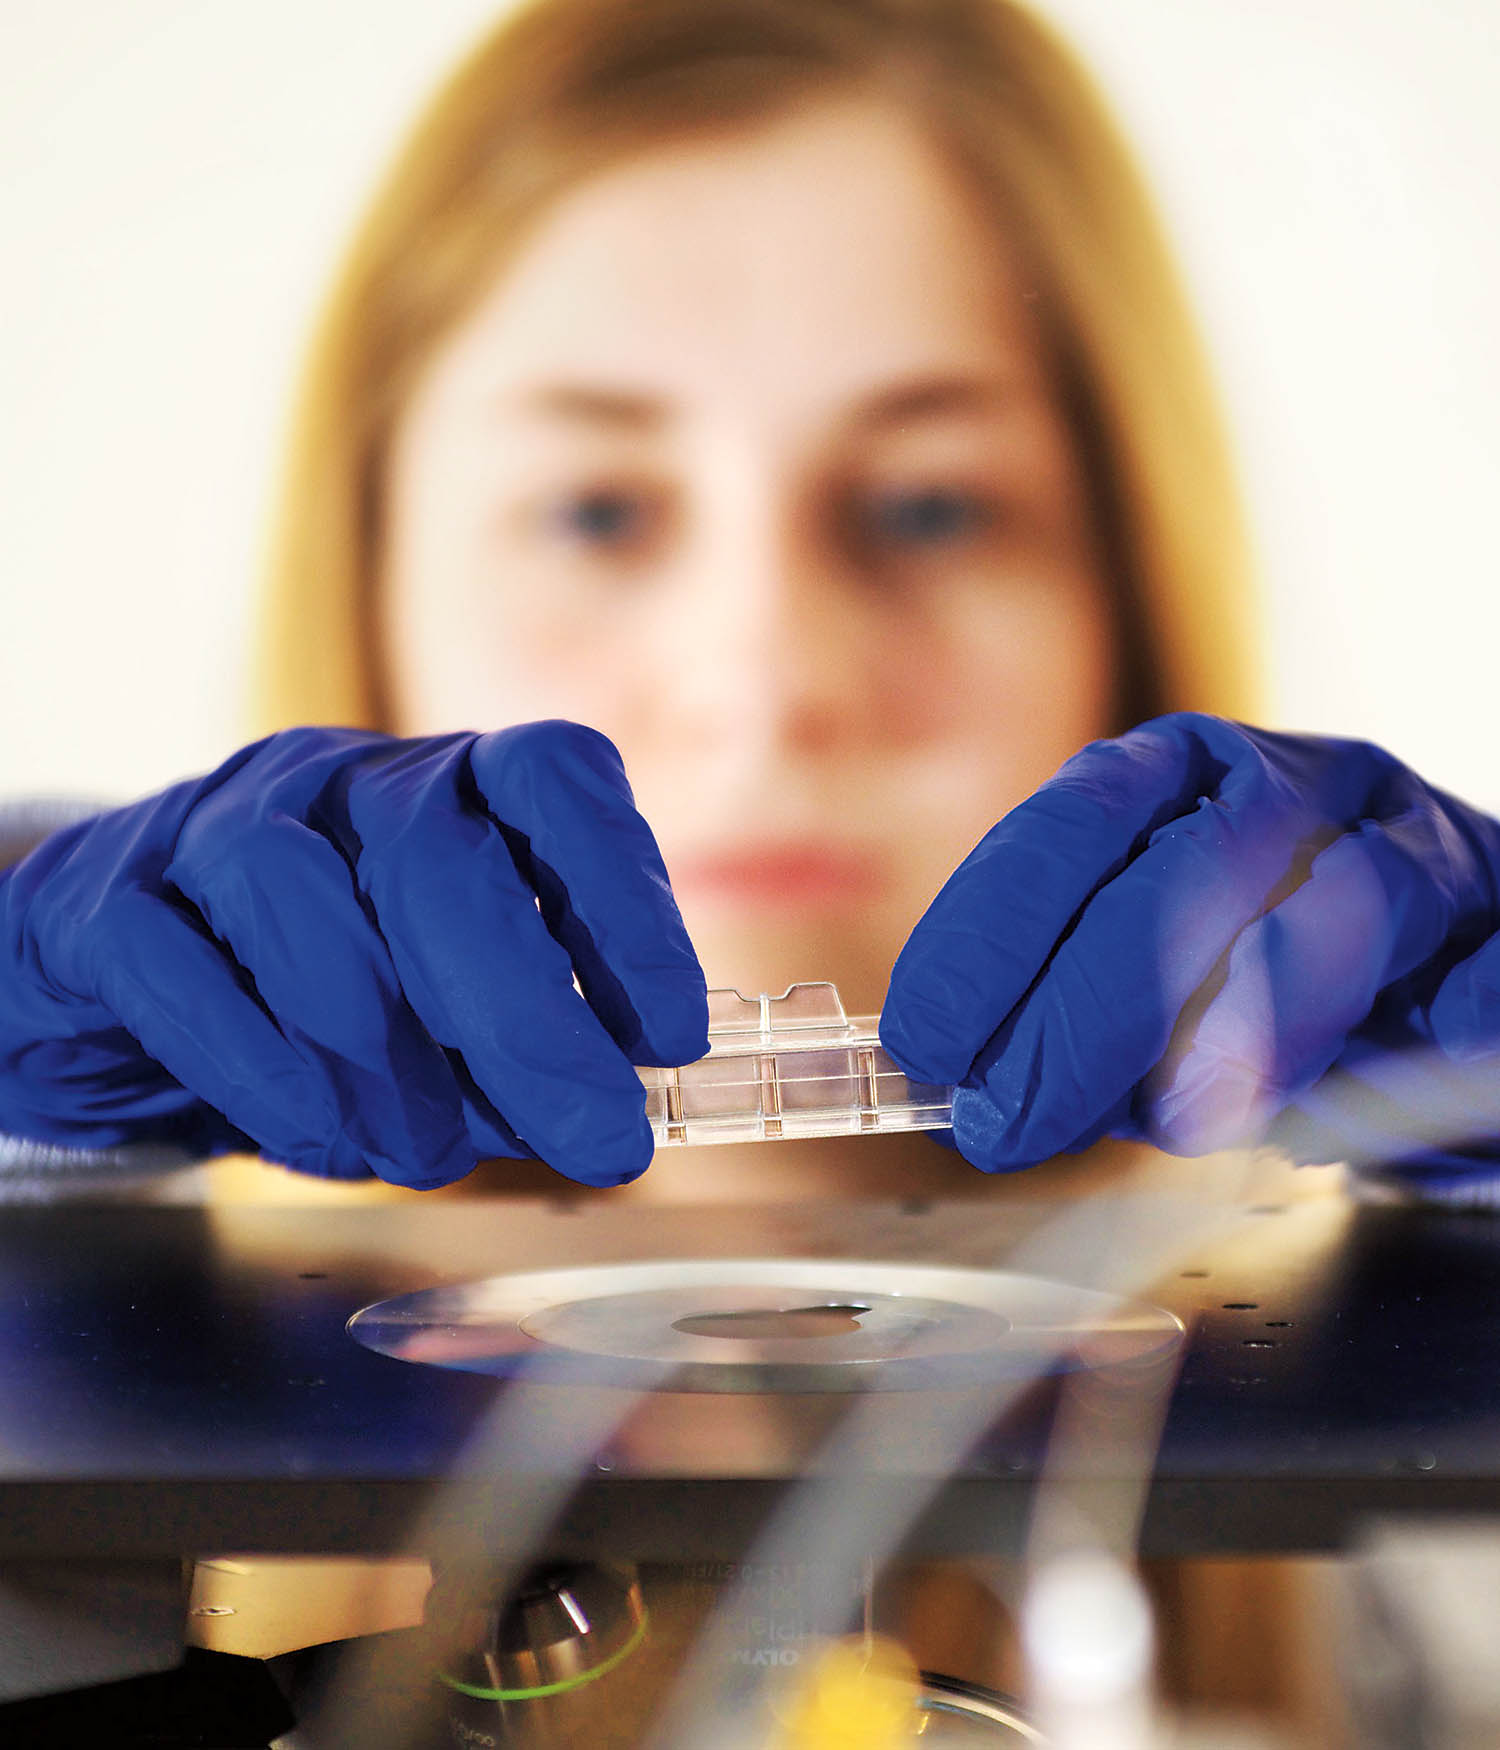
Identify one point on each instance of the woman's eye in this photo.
(606, 518)
(932, 517)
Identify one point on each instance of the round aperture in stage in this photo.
(766, 1325)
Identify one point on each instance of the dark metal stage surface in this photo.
(178, 1380)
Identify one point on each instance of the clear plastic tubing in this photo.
(787, 1066)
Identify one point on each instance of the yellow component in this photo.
(857, 1694)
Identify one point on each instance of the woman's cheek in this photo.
(1034, 666)
(544, 653)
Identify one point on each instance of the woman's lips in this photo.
(791, 874)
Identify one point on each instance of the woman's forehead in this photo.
(829, 258)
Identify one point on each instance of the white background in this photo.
(176, 177)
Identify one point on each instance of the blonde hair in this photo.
(562, 89)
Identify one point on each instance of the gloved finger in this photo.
(180, 998)
(486, 976)
(1375, 906)
(984, 1134)
(284, 901)
(560, 795)
(488, 1130)
(1465, 1014)
(1140, 802)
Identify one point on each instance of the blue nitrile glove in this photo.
(359, 953)
(1201, 934)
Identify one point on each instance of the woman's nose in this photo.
(775, 645)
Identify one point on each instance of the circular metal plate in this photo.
(766, 1325)
(952, 1713)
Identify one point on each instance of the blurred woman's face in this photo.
(752, 460)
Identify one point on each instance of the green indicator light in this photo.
(543, 1690)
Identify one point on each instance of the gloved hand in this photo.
(358, 953)
(1201, 934)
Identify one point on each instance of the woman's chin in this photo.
(777, 952)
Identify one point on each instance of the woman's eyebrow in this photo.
(588, 404)
(931, 397)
